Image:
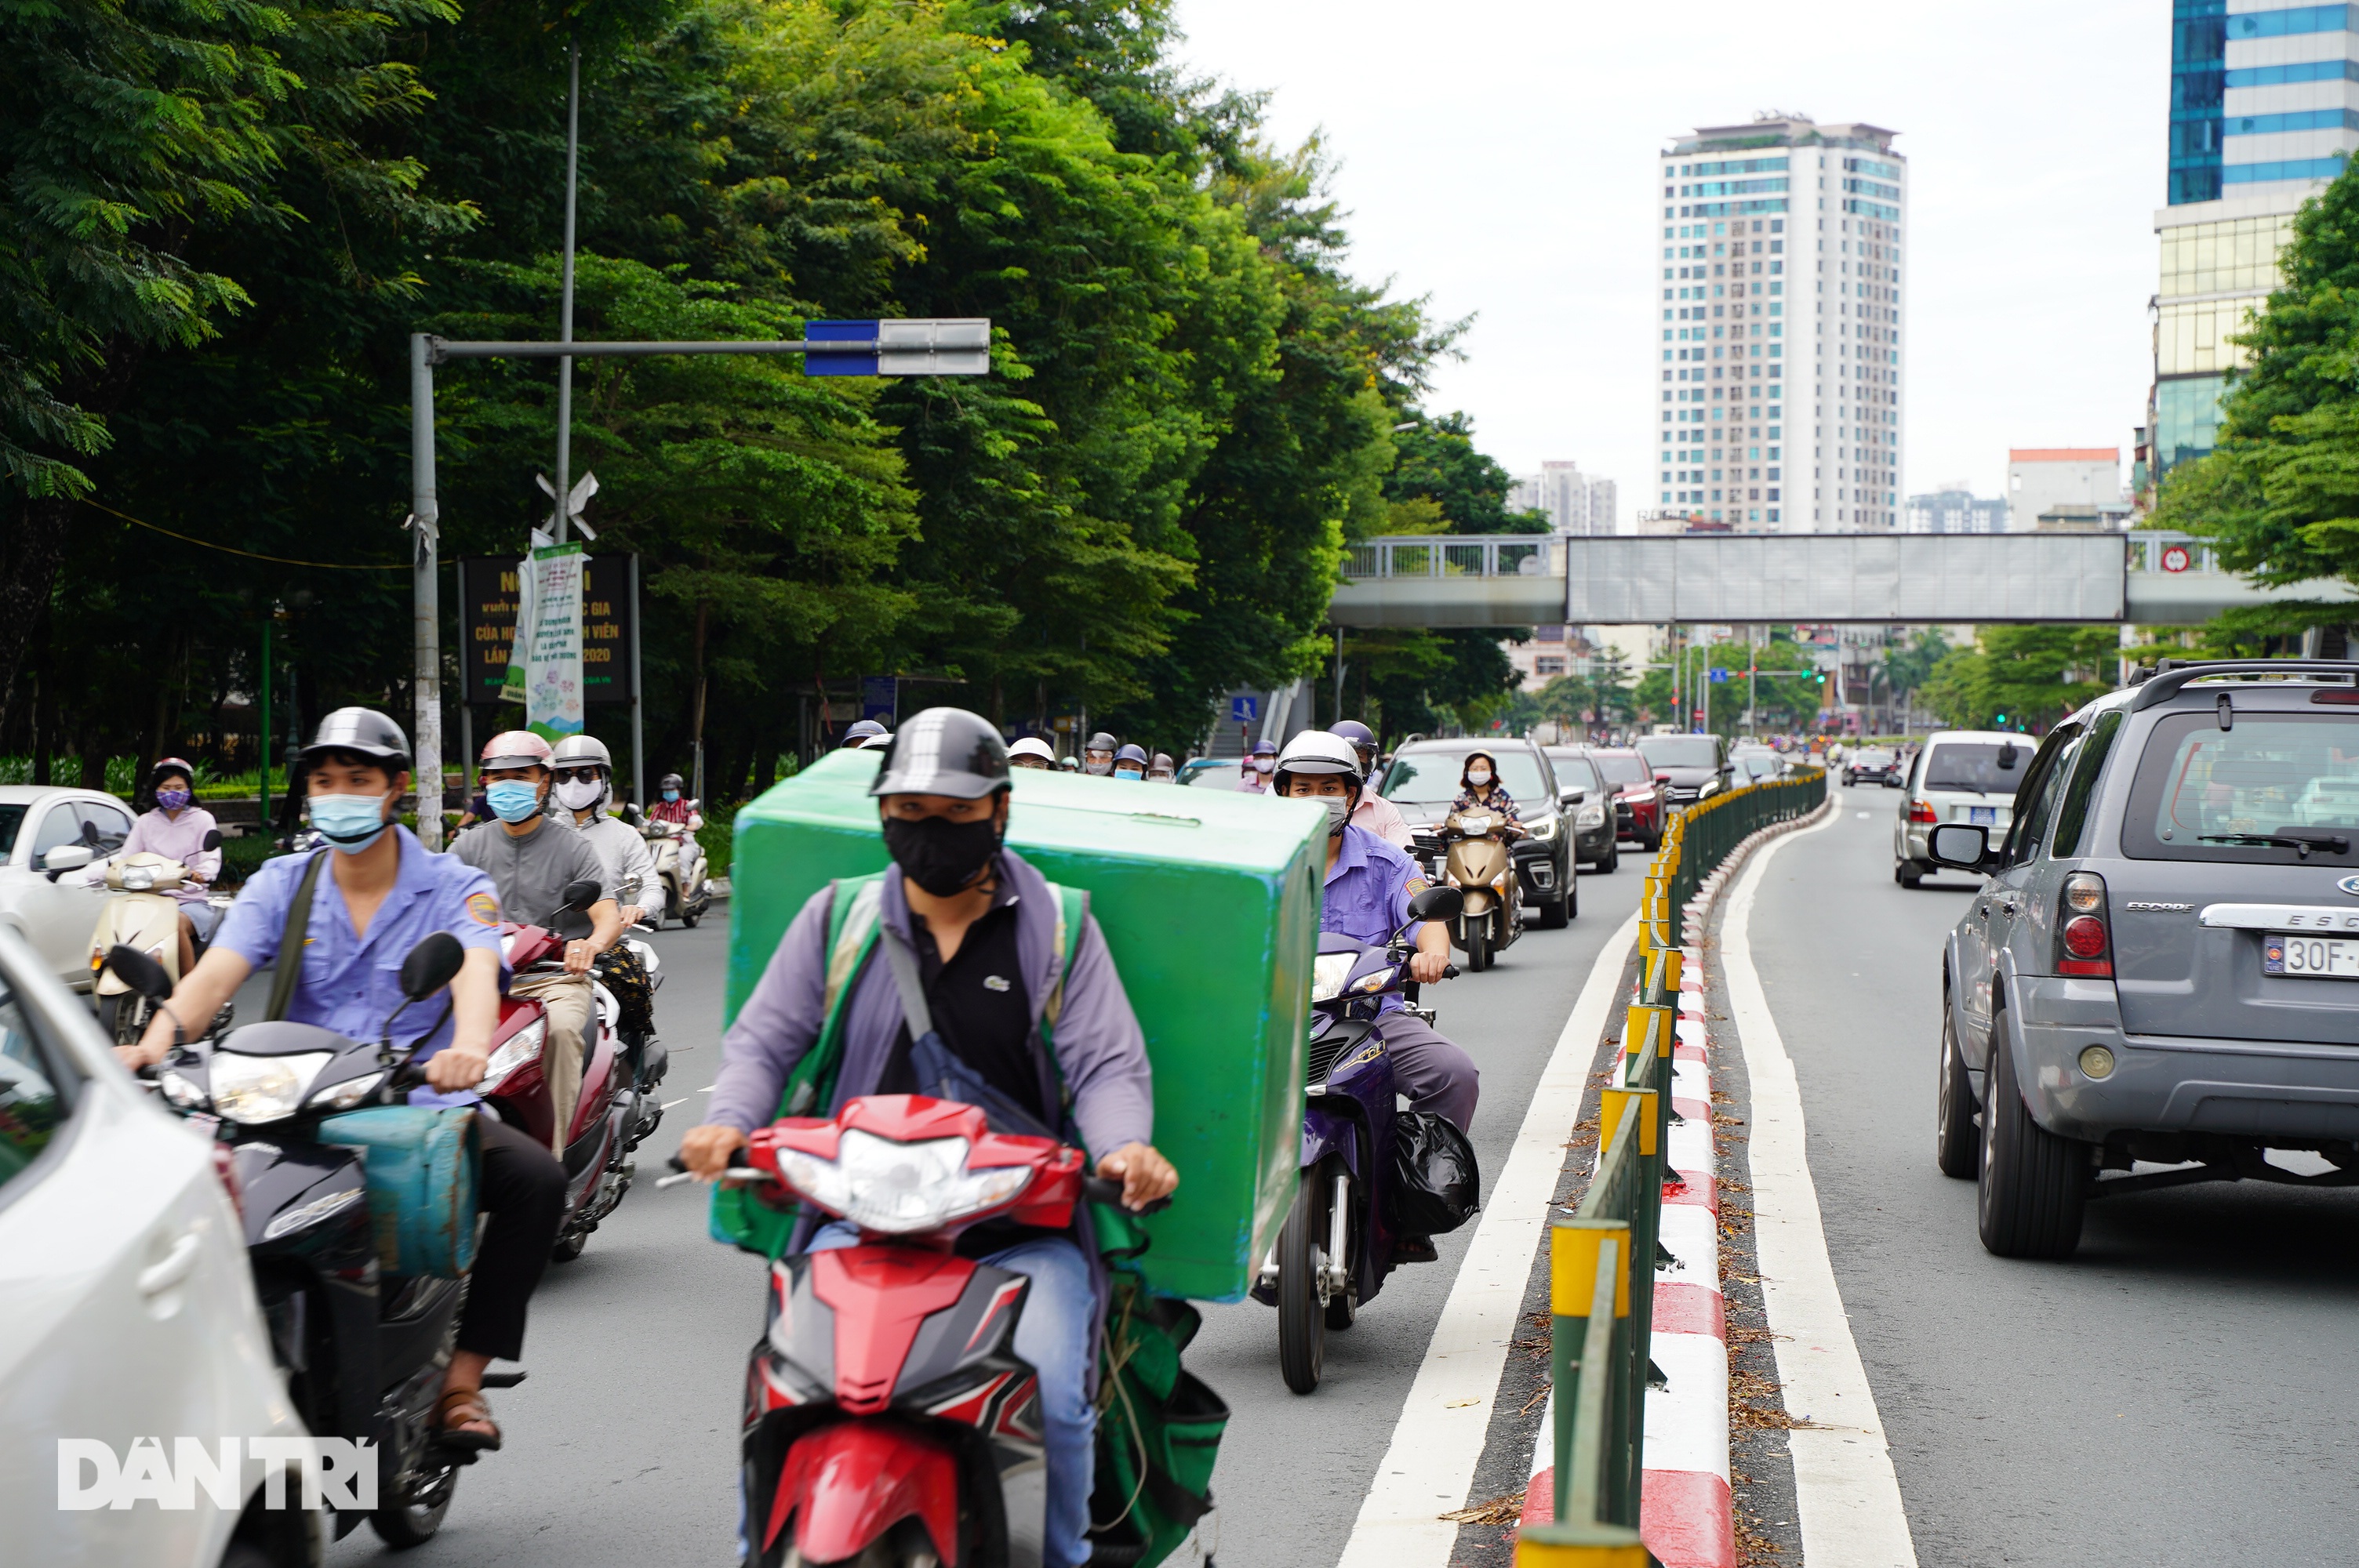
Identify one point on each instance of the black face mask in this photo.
(938, 854)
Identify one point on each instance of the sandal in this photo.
(454, 1411)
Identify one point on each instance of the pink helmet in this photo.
(515, 748)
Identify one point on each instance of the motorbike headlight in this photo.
(182, 1094)
(1474, 824)
(514, 1052)
(1328, 973)
(1590, 817)
(139, 878)
(893, 1187)
(255, 1089)
(348, 1094)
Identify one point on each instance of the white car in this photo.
(1960, 775)
(43, 829)
(129, 1303)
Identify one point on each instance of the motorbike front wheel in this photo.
(1301, 1315)
(124, 1016)
(411, 1518)
(1478, 946)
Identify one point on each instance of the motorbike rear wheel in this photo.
(124, 1016)
(411, 1518)
(1301, 1316)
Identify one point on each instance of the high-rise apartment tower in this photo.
(2264, 112)
(1782, 350)
(1575, 502)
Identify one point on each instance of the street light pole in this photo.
(426, 601)
(565, 306)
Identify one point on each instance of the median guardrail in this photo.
(1601, 1260)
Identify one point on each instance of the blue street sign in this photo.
(925, 346)
(1243, 709)
(880, 698)
(1718, 676)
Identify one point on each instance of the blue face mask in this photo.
(1128, 773)
(350, 822)
(511, 800)
(671, 795)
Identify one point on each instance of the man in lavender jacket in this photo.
(981, 926)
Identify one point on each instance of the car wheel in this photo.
(1956, 1139)
(1908, 874)
(1613, 858)
(1554, 916)
(2033, 1183)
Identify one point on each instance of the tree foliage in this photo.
(2022, 678)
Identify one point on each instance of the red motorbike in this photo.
(888, 1420)
(616, 1108)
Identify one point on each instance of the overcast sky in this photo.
(1498, 156)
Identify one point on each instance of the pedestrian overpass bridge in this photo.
(1521, 579)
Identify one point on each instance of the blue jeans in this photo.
(1054, 1335)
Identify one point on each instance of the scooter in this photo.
(888, 1420)
(613, 1103)
(1476, 861)
(680, 869)
(145, 917)
(1336, 1247)
(364, 1347)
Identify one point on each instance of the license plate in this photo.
(1983, 813)
(2311, 957)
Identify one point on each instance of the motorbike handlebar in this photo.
(1104, 1190)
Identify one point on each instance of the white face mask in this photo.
(1478, 777)
(579, 795)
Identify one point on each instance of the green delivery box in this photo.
(1209, 903)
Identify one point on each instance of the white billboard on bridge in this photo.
(1844, 577)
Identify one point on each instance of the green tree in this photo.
(2022, 678)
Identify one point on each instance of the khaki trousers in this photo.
(566, 1052)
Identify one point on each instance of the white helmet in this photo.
(1032, 746)
(1318, 752)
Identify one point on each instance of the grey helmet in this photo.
(945, 751)
(363, 731)
(861, 729)
(587, 752)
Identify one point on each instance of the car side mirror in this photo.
(140, 972)
(1573, 796)
(1965, 845)
(213, 840)
(65, 858)
(432, 965)
(1437, 903)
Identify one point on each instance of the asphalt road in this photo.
(621, 1445)
(2177, 1392)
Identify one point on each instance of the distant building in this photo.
(1574, 503)
(2264, 112)
(1671, 520)
(2041, 478)
(1953, 509)
(1779, 407)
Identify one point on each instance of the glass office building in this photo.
(2264, 110)
(1783, 256)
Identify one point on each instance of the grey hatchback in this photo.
(2162, 966)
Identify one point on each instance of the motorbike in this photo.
(1337, 1244)
(364, 1347)
(617, 1108)
(146, 918)
(1476, 861)
(888, 1420)
(679, 870)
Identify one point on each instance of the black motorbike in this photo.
(364, 1350)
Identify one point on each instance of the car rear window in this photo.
(1622, 767)
(2276, 788)
(1572, 772)
(1978, 767)
(1431, 778)
(1680, 751)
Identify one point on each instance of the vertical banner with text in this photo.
(491, 594)
(552, 669)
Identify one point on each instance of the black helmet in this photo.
(945, 751)
(1101, 742)
(364, 733)
(671, 781)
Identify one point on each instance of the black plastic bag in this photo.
(1435, 1184)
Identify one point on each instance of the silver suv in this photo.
(2162, 967)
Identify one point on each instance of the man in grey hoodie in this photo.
(981, 924)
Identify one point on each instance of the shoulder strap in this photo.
(852, 926)
(1072, 916)
(288, 967)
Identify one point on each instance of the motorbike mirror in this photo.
(1437, 903)
(432, 965)
(140, 972)
(213, 840)
(579, 895)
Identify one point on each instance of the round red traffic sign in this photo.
(2177, 558)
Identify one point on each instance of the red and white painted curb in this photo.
(1687, 1514)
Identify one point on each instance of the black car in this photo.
(1599, 820)
(1424, 779)
(1693, 766)
(1871, 765)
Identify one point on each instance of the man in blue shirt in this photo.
(379, 895)
(1369, 884)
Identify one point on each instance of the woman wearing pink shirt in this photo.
(176, 829)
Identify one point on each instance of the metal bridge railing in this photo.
(1453, 554)
(2146, 547)
(1602, 1261)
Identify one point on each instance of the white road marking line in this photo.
(1847, 1495)
(1431, 1461)
(1863, 816)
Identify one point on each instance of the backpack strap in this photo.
(852, 927)
(287, 968)
(1073, 917)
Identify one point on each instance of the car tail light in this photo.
(1922, 811)
(225, 1168)
(2083, 945)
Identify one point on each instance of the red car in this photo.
(1640, 799)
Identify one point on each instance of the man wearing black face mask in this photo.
(977, 930)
